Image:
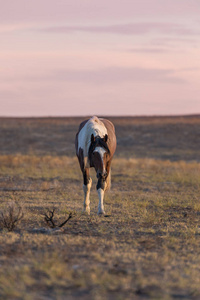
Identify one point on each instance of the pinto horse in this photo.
(95, 146)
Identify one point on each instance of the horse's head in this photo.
(99, 155)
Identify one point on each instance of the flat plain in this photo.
(148, 244)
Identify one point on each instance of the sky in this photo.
(97, 57)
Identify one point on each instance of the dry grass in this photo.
(148, 247)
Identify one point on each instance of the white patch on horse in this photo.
(93, 126)
(101, 152)
(100, 206)
(86, 189)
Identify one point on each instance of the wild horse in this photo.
(95, 146)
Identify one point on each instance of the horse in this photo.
(95, 145)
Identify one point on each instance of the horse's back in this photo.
(109, 125)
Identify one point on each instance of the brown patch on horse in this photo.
(111, 137)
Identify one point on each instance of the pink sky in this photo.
(65, 58)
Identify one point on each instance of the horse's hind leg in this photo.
(87, 183)
(108, 178)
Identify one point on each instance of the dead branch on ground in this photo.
(69, 217)
(10, 217)
(49, 219)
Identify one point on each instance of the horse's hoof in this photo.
(101, 213)
(86, 212)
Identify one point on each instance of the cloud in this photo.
(149, 50)
(94, 10)
(117, 75)
(104, 76)
(191, 69)
(136, 28)
(191, 40)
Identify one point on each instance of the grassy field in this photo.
(148, 245)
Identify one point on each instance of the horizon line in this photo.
(110, 116)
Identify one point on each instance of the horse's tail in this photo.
(108, 181)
